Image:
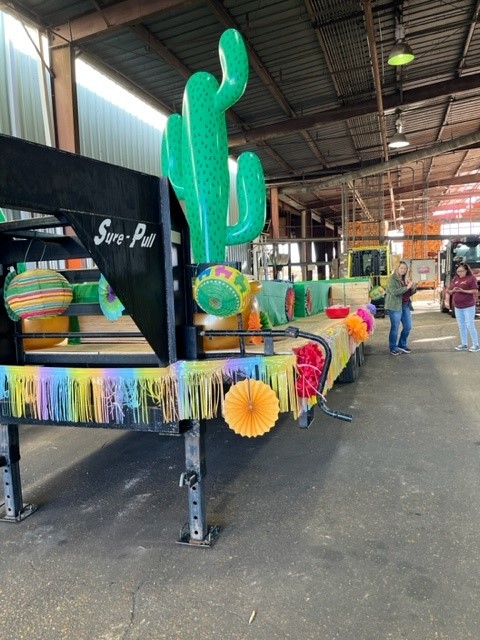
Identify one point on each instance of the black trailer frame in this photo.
(146, 260)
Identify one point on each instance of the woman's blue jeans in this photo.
(396, 317)
(466, 322)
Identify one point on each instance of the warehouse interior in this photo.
(361, 531)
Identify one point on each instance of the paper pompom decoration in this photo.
(37, 292)
(310, 363)
(367, 317)
(251, 408)
(109, 303)
(356, 328)
(222, 291)
(265, 320)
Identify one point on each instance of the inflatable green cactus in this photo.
(195, 158)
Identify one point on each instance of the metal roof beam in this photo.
(163, 52)
(398, 161)
(117, 16)
(227, 20)
(338, 114)
(408, 189)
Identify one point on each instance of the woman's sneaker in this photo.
(395, 352)
(461, 347)
(474, 348)
(404, 349)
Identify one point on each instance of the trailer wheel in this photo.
(350, 373)
(361, 354)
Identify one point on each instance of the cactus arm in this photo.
(251, 200)
(172, 166)
(234, 63)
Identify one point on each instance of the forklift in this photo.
(373, 262)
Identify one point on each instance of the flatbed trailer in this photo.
(133, 228)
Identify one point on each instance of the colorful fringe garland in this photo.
(185, 390)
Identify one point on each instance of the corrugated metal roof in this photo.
(318, 78)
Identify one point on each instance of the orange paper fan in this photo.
(251, 408)
(254, 324)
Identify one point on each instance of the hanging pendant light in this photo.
(402, 52)
(399, 139)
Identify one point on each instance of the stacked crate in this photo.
(350, 291)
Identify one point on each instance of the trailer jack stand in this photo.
(209, 540)
(11, 508)
(24, 512)
(196, 532)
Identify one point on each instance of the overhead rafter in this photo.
(328, 73)
(381, 167)
(407, 190)
(163, 52)
(372, 45)
(409, 98)
(97, 23)
(228, 21)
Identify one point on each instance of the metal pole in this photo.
(196, 531)
(12, 484)
(406, 158)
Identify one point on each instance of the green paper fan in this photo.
(110, 304)
(265, 320)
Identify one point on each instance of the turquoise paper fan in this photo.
(110, 304)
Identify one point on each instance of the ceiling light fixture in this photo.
(401, 53)
(398, 140)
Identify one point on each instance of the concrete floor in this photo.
(361, 531)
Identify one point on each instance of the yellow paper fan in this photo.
(251, 408)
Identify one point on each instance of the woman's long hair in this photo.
(397, 268)
(466, 267)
